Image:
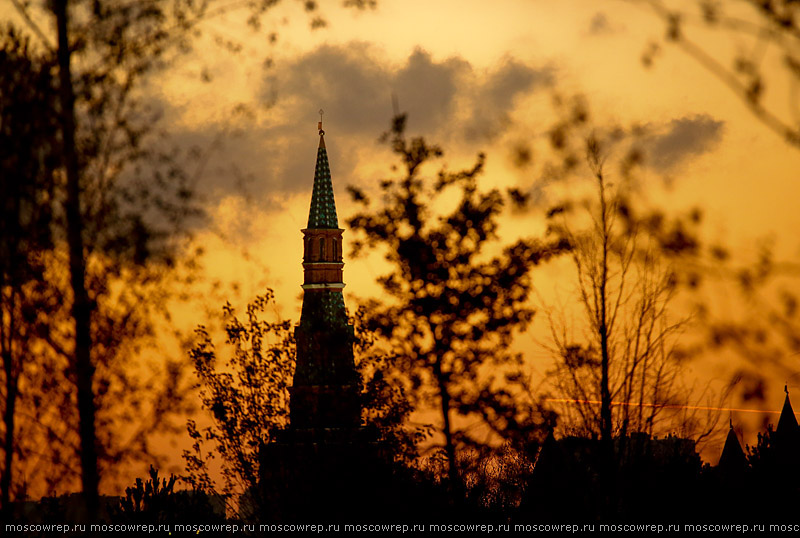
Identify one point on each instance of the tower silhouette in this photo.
(325, 387)
(325, 463)
(732, 463)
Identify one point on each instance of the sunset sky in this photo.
(473, 76)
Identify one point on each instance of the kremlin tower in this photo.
(325, 463)
(326, 384)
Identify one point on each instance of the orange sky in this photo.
(473, 76)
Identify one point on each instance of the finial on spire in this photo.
(786, 389)
(319, 125)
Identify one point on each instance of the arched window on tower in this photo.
(321, 248)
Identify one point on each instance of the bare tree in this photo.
(621, 365)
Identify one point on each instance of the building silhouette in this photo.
(326, 465)
(650, 477)
(765, 482)
(733, 462)
(787, 434)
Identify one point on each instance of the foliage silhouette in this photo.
(453, 308)
(124, 206)
(762, 326)
(245, 388)
(247, 396)
(149, 498)
(155, 501)
(105, 232)
(385, 403)
(28, 162)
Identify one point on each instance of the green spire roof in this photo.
(323, 209)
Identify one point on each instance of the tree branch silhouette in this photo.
(453, 308)
(776, 24)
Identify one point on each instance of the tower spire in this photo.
(787, 423)
(732, 461)
(322, 213)
(325, 386)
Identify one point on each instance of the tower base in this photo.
(327, 475)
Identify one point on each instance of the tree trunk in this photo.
(10, 404)
(8, 441)
(606, 430)
(449, 444)
(81, 306)
(605, 392)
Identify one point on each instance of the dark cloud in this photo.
(427, 90)
(600, 24)
(494, 100)
(355, 87)
(680, 140)
(358, 88)
(346, 83)
(448, 100)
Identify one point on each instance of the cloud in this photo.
(346, 83)
(428, 90)
(600, 25)
(494, 99)
(680, 140)
(270, 157)
(355, 86)
(356, 89)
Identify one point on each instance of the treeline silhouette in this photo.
(653, 480)
(97, 213)
(379, 471)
